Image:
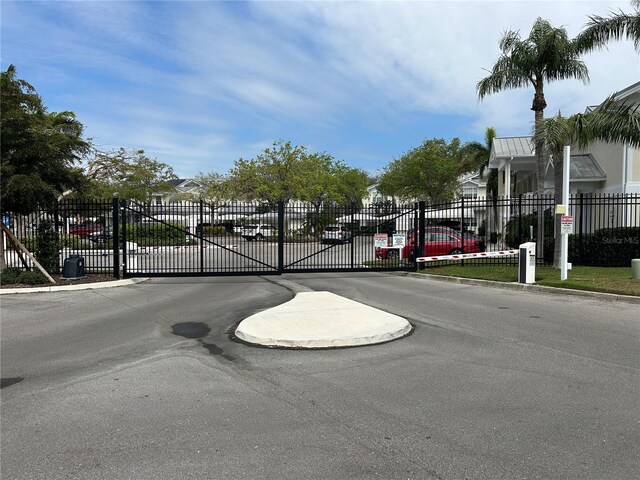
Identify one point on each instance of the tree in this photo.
(39, 150)
(429, 172)
(130, 173)
(612, 122)
(271, 177)
(545, 56)
(285, 172)
(479, 154)
(600, 30)
(213, 186)
(352, 185)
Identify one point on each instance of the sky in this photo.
(200, 84)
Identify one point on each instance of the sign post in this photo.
(564, 231)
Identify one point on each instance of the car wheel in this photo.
(259, 237)
(248, 239)
(391, 254)
(455, 251)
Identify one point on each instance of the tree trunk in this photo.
(540, 170)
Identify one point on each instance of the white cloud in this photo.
(199, 84)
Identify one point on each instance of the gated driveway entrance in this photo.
(199, 239)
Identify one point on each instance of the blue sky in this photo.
(200, 84)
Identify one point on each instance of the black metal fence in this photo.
(605, 232)
(82, 228)
(200, 238)
(125, 238)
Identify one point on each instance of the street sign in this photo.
(566, 224)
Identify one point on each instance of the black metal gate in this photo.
(201, 239)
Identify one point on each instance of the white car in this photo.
(259, 232)
(336, 234)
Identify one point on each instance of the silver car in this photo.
(336, 234)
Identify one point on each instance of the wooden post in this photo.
(16, 243)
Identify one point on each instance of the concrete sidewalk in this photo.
(321, 320)
(79, 286)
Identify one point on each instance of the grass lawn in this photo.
(597, 279)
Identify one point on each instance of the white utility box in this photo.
(527, 263)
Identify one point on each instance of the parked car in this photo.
(258, 232)
(83, 229)
(444, 229)
(435, 243)
(336, 234)
(102, 236)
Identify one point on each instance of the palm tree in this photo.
(545, 56)
(600, 30)
(478, 155)
(613, 122)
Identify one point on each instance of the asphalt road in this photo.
(493, 384)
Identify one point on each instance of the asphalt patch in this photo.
(8, 381)
(190, 329)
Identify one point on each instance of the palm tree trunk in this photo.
(540, 171)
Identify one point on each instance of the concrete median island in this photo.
(321, 320)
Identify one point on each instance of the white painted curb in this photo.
(81, 286)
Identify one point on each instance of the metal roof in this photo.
(585, 168)
(505, 147)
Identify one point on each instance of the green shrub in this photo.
(482, 228)
(614, 247)
(157, 235)
(76, 242)
(214, 230)
(32, 278)
(517, 229)
(29, 241)
(9, 275)
(48, 247)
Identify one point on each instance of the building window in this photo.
(470, 192)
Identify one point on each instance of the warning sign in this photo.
(566, 224)
(381, 240)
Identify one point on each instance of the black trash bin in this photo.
(73, 267)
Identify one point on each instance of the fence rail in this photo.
(122, 237)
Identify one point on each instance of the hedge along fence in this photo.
(609, 247)
(158, 234)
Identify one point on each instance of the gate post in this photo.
(115, 210)
(421, 232)
(201, 239)
(462, 229)
(280, 237)
(124, 239)
(352, 211)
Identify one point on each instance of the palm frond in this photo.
(600, 30)
(616, 122)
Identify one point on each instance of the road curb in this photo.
(82, 286)
(527, 287)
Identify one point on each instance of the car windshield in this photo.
(250, 226)
(332, 229)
